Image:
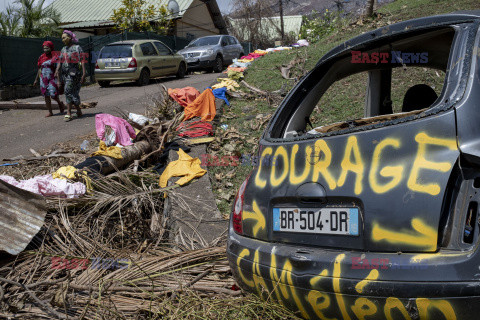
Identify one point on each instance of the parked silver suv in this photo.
(212, 53)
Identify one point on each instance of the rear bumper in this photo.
(117, 74)
(320, 283)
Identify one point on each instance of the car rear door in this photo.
(376, 183)
(151, 59)
(169, 60)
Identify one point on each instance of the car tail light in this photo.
(133, 63)
(96, 66)
(238, 208)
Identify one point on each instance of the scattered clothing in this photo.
(65, 173)
(123, 130)
(235, 75)
(236, 69)
(203, 106)
(228, 83)
(186, 167)
(139, 119)
(251, 56)
(221, 93)
(195, 129)
(260, 52)
(184, 96)
(93, 164)
(240, 64)
(47, 186)
(72, 173)
(112, 152)
(163, 159)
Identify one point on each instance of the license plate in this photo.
(112, 64)
(340, 221)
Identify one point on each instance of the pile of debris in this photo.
(87, 235)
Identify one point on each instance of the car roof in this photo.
(432, 22)
(133, 42)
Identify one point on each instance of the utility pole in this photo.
(281, 21)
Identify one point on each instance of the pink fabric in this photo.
(123, 130)
(48, 187)
(253, 56)
(72, 35)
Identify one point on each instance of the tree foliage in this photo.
(317, 25)
(29, 18)
(137, 15)
(251, 20)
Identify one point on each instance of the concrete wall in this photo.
(19, 92)
(196, 22)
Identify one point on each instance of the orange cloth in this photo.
(203, 106)
(236, 69)
(184, 96)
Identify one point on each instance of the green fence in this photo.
(19, 56)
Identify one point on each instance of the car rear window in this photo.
(116, 51)
(377, 84)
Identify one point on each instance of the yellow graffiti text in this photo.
(388, 172)
(373, 275)
(276, 181)
(260, 183)
(321, 166)
(256, 215)
(356, 166)
(294, 179)
(422, 163)
(423, 237)
(364, 308)
(443, 306)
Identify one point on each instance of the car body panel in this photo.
(350, 174)
(198, 59)
(158, 63)
(414, 179)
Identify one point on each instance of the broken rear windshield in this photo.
(116, 51)
(380, 82)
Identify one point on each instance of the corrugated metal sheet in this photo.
(22, 214)
(272, 25)
(72, 11)
(87, 24)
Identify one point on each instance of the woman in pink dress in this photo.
(46, 73)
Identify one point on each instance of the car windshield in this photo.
(206, 41)
(116, 51)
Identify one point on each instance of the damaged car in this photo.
(376, 215)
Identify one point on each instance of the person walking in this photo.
(68, 72)
(46, 74)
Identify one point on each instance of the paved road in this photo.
(21, 130)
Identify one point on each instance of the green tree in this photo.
(137, 15)
(9, 22)
(37, 21)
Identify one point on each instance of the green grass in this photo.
(264, 73)
(246, 120)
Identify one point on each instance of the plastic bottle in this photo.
(84, 145)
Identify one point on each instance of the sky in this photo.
(224, 5)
